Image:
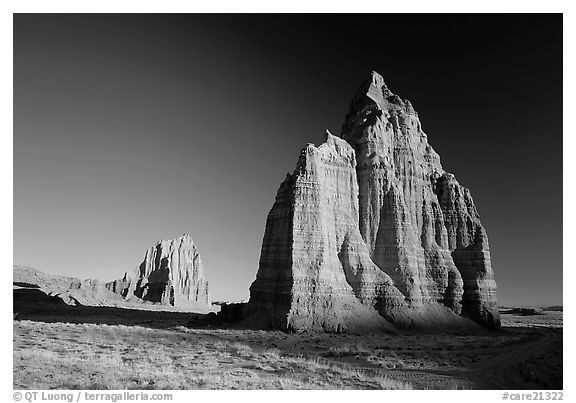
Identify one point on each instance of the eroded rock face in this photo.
(314, 266)
(171, 274)
(29, 284)
(369, 229)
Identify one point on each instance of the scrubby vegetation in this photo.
(99, 356)
(163, 351)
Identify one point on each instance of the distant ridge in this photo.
(68, 290)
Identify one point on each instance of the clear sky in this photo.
(133, 128)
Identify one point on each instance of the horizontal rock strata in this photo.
(171, 274)
(370, 230)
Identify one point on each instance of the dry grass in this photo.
(172, 356)
(349, 350)
(553, 319)
(91, 356)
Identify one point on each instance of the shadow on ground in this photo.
(33, 304)
(525, 354)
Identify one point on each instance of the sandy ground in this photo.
(125, 349)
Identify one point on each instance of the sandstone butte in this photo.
(369, 232)
(170, 274)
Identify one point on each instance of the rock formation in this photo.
(171, 274)
(369, 230)
(29, 284)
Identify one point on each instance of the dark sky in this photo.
(133, 128)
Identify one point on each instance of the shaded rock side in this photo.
(171, 274)
(369, 229)
(420, 225)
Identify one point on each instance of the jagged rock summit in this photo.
(170, 274)
(370, 232)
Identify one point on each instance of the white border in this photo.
(421, 6)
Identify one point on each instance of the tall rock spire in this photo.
(420, 224)
(369, 229)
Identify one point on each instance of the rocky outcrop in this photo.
(29, 284)
(231, 313)
(370, 230)
(171, 274)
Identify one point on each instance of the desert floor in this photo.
(115, 348)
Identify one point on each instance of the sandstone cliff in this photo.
(171, 274)
(369, 229)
